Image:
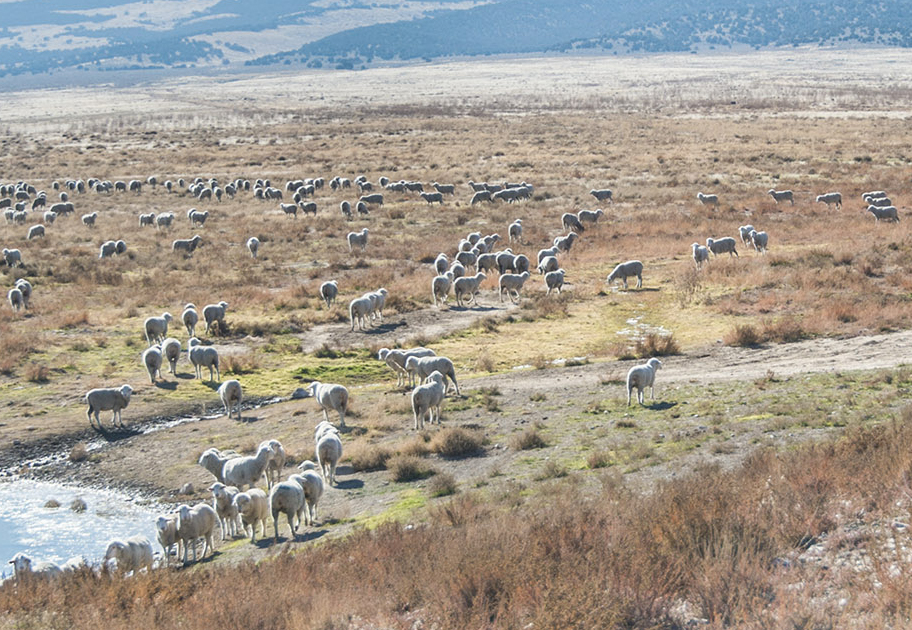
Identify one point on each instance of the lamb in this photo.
(421, 367)
(329, 453)
(564, 243)
(328, 292)
(357, 238)
(247, 470)
(887, 214)
(157, 327)
(190, 317)
(396, 359)
(432, 197)
(167, 535)
(277, 463)
(203, 356)
(152, 360)
(708, 200)
(468, 286)
(25, 569)
(744, 231)
(700, 254)
(187, 245)
(330, 396)
(481, 195)
(512, 283)
(722, 245)
(35, 231)
(312, 485)
(108, 399)
(231, 394)
(286, 498)
(253, 506)
(440, 287)
(514, 231)
(571, 222)
(88, 220)
(641, 377)
(16, 300)
(194, 523)
(427, 398)
(253, 246)
(225, 508)
(590, 216)
(602, 194)
(359, 308)
(554, 280)
(759, 240)
(132, 554)
(625, 270)
(832, 198)
(781, 195)
(215, 313)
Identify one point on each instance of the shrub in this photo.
(458, 442)
(528, 439)
(745, 336)
(442, 485)
(598, 459)
(404, 468)
(36, 373)
(656, 345)
(366, 457)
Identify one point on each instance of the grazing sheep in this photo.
(157, 327)
(432, 197)
(152, 360)
(166, 527)
(253, 506)
(357, 238)
(88, 220)
(187, 245)
(328, 292)
(359, 308)
(625, 270)
(132, 554)
(286, 498)
(225, 508)
(744, 232)
(886, 214)
(833, 198)
(590, 216)
(440, 287)
(346, 209)
(603, 194)
(26, 288)
(759, 240)
(554, 280)
(641, 377)
(700, 254)
(170, 350)
(231, 394)
(190, 317)
(376, 198)
(330, 396)
(246, 470)
(548, 264)
(571, 222)
(277, 463)
(329, 453)
(512, 284)
(421, 367)
(722, 245)
(35, 231)
(396, 359)
(203, 356)
(781, 195)
(481, 195)
(194, 523)
(312, 485)
(470, 286)
(25, 569)
(362, 209)
(215, 313)
(108, 399)
(253, 246)
(708, 200)
(427, 398)
(16, 300)
(120, 247)
(564, 243)
(309, 207)
(444, 189)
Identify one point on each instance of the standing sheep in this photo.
(231, 394)
(328, 292)
(25, 287)
(396, 359)
(554, 280)
(201, 356)
(641, 377)
(781, 195)
(329, 453)
(195, 523)
(253, 506)
(286, 498)
(35, 231)
(427, 398)
(108, 399)
(190, 317)
(312, 485)
(132, 554)
(512, 284)
(15, 298)
(166, 527)
(440, 287)
(357, 238)
(470, 286)
(708, 200)
(330, 396)
(625, 270)
(759, 240)
(421, 368)
(215, 313)
(156, 328)
(358, 309)
(253, 246)
(833, 198)
(247, 470)
(152, 360)
(722, 245)
(171, 349)
(571, 222)
(700, 254)
(225, 508)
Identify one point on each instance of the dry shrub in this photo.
(404, 468)
(783, 330)
(416, 446)
(484, 362)
(541, 306)
(456, 442)
(598, 459)
(528, 439)
(241, 363)
(36, 373)
(365, 457)
(73, 319)
(442, 485)
(656, 345)
(744, 336)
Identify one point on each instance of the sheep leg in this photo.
(275, 524)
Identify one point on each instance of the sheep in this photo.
(521, 264)
(468, 286)
(432, 197)
(190, 317)
(246, 470)
(330, 396)
(427, 398)
(16, 300)
(49, 216)
(457, 269)
(506, 261)
(441, 263)
(708, 200)
(253, 507)
(476, 187)
(187, 245)
(120, 247)
(604, 194)
(309, 207)
(781, 195)
(440, 287)
(514, 231)
(376, 198)
(421, 367)
(625, 270)
(444, 189)
(290, 208)
(12, 257)
(108, 249)
(108, 399)
(357, 238)
(882, 202)
(722, 245)
(324, 427)
(590, 216)
(225, 508)
(329, 453)
(378, 301)
(253, 246)
(35, 231)
(571, 222)
(759, 240)
(156, 328)
(152, 360)
(25, 568)
(396, 359)
(230, 393)
(286, 498)
(25, 287)
(744, 232)
(481, 195)
(700, 254)
(887, 214)
(277, 463)
(88, 220)
(195, 523)
(132, 554)
(544, 253)
(548, 264)
(346, 209)
(147, 219)
(164, 220)
(832, 198)
(554, 280)
(312, 485)
(512, 283)
(214, 461)
(328, 292)
(362, 209)
(215, 313)
(359, 308)
(564, 243)
(486, 262)
(641, 377)
(201, 356)
(467, 259)
(166, 526)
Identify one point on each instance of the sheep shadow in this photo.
(384, 328)
(478, 308)
(247, 419)
(168, 385)
(660, 406)
(115, 434)
(213, 385)
(186, 375)
(350, 484)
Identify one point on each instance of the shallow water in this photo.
(57, 534)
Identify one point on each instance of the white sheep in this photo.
(888, 213)
(253, 506)
(441, 263)
(25, 568)
(253, 246)
(515, 230)
(329, 453)
(330, 396)
(357, 238)
(427, 398)
(744, 232)
(625, 270)
(708, 200)
(378, 301)
(147, 219)
(225, 508)
(759, 240)
(396, 359)
(187, 245)
(194, 523)
(203, 356)
(457, 269)
(152, 360)
(564, 243)
(214, 461)
(108, 399)
(25, 287)
(722, 245)
(89, 219)
(35, 231)
(781, 195)
(832, 198)
(49, 216)
(286, 497)
(132, 554)
(481, 195)
(164, 220)
(421, 367)
(469, 285)
(15, 298)
(166, 527)
(346, 209)
(328, 292)
(554, 280)
(247, 470)
(230, 394)
(215, 313)
(12, 257)
(156, 328)
(603, 194)
(641, 377)
(171, 349)
(198, 218)
(570, 221)
(700, 254)
(276, 463)
(590, 216)
(440, 287)
(190, 318)
(358, 309)
(312, 485)
(512, 284)
(548, 264)
(107, 249)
